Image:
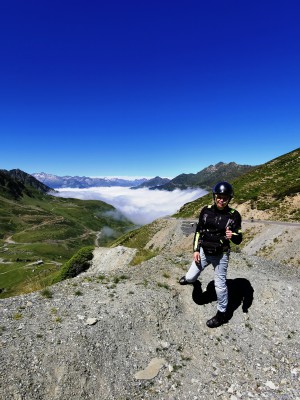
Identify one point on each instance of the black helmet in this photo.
(223, 188)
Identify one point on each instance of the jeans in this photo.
(220, 264)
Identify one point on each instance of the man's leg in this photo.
(220, 265)
(220, 282)
(194, 271)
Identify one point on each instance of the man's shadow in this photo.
(240, 293)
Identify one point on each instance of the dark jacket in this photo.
(211, 229)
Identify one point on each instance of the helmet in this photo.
(223, 188)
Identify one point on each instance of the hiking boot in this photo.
(183, 281)
(217, 320)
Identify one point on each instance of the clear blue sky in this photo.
(147, 88)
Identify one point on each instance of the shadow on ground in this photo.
(240, 293)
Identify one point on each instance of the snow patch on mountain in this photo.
(82, 182)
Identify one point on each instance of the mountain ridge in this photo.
(269, 191)
(207, 177)
(82, 182)
(14, 183)
(152, 183)
(204, 179)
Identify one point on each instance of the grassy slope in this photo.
(51, 229)
(264, 188)
(138, 239)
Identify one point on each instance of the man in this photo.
(218, 225)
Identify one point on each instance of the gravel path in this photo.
(133, 333)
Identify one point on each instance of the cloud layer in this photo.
(141, 206)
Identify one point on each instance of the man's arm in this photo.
(237, 234)
(196, 243)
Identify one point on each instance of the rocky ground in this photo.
(122, 332)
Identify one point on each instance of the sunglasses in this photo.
(222, 197)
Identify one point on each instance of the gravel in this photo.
(122, 332)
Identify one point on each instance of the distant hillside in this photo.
(40, 232)
(208, 177)
(269, 191)
(82, 182)
(154, 182)
(204, 179)
(15, 183)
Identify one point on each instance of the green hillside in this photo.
(40, 232)
(270, 186)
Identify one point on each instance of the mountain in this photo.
(152, 183)
(40, 232)
(15, 183)
(207, 177)
(36, 225)
(82, 182)
(269, 191)
(204, 179)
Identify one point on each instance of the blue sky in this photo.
(114, 88)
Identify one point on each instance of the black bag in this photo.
(213, 248)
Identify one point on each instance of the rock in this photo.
(91, 321)
(270, 385)
(151, 370)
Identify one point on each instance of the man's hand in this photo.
(197, 257)
(228, 233)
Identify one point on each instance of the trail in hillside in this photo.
(84, 235)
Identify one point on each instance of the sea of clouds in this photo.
(141, 206)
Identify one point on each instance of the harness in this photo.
(211, 235)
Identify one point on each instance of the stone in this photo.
(91, 321)
(270, 385)
(151, 370)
